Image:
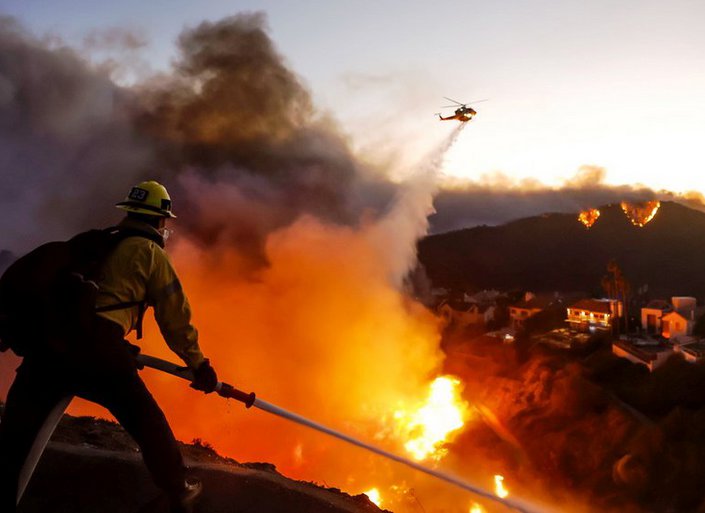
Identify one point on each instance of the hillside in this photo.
(92, 465)
(555, 252)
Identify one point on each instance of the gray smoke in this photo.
(231, 131)
(66, 145)
(498, 199)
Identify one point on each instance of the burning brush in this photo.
(640, 213)
(589, 217)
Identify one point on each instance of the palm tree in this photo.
(617, 287)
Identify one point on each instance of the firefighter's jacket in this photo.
(139, 269)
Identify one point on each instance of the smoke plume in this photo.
(292, 253)
(231, 116)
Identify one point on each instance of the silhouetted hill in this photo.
(93, 466)
(6, 258)
(555, 252)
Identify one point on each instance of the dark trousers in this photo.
(100, 369)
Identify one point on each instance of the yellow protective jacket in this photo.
(139, 269)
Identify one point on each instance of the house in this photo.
(661, 320)
(675, 325)
(484, 297)
(652, 314)
(461, 314)
(594, 314)
(674, 320)
(527, 308)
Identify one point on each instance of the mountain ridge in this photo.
(555, 252)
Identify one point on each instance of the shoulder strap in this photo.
(120, 233)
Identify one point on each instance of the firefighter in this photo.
(102, 367)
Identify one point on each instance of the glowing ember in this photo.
(427, 428)
(640, 213)
(374, 496)
(499, 489)
(588, 217)
(476, 508)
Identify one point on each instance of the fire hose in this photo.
(250, 399)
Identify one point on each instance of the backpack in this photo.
(47, 297)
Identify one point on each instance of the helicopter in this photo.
(463, 113)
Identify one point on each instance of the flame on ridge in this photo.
(640, 213)
(426, 429)
(588, 217)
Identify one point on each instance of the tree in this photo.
(616, 286)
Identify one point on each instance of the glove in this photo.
(134, 352)
(204, 377)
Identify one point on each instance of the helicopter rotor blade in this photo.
(477, 101)
(452, 100)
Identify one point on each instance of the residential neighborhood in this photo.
(656, 330)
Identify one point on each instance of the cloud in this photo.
(496, 199)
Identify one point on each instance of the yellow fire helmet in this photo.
(150, 198)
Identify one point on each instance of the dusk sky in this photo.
(620, 85)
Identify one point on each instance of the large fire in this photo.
(588, 217)
(322, 330)
(640, 213)
(428, 427)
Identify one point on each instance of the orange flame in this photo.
(374, 496)
(428, 427)
(640, 213)
(289, 335)
(588, 217)
(499, 489)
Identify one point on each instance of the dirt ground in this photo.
(92, 466)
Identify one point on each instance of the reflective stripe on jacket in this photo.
(139, 269)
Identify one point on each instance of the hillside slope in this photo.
(93, 466)
(555, 252)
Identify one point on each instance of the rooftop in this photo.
(646, 353)
(536, 302)
(593, 305)
(696, 349)
(659, 304)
